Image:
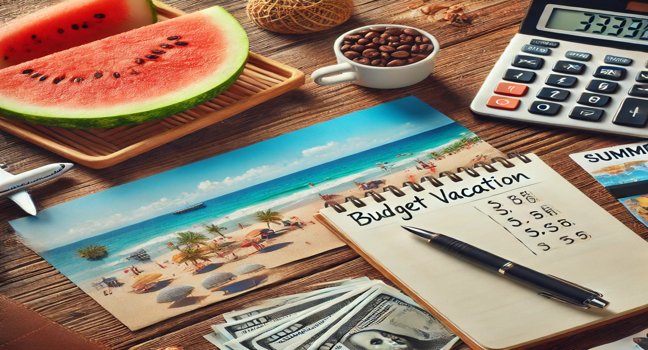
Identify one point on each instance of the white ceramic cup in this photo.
(375, 77)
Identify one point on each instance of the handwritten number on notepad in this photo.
(539, 226)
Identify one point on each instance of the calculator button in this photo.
(639, 90)
(602, 86)
(511, 89)
(544, 108)
(553, 94)
(612, 73)
(501, 102)
(644, 36)
(546, 43)
(565, 81)
(520, 76)
(621, 61)
(569, 67)
(530, 62)
(594, 100)
(578, 56)
(642, 77)
(535, 49)
(633, 112)
(585, 113)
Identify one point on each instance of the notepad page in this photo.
(526, 213)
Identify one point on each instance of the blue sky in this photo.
(165, 192)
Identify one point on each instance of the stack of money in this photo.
(355, 314)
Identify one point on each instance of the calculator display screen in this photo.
(610, 25)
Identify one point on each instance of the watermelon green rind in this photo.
(153, 10)
(141, 111)
(125, 119)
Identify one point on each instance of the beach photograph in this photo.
(211, 230)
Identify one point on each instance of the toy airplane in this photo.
(15, 186)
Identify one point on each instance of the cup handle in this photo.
(338, 73)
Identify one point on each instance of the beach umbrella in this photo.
(253, 234)
(248, 268)
(174, 294)
(328, 197)
(146, 279)
(217, 279)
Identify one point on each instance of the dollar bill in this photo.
(303, 327)
(268, 304)
(386, 319)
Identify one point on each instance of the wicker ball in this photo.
(299, 16)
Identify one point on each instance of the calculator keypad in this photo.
(576, 85)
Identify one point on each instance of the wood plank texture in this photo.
(466, 56)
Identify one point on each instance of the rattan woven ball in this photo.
(299, 16)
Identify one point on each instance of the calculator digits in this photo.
(578, 64)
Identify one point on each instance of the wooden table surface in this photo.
(467, 54)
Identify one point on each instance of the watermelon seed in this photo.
(28, 71)
(175, 37)
(76, 80)
(98, 75)
(58, 79)
(84, 25)
(139, 61)
(99, 15)
(43, 78)
(39, 41)
(182, 43)
(33, 36)
(152, 57)
(166, 46)
(5, 58)
(60, 30)
(158, 52)
(75, 26)
(116, 75)
(35, 75)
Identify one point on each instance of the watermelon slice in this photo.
(149, 72)
(68, 24)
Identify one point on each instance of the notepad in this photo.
(518, 208)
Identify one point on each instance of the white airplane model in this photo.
(15, 186)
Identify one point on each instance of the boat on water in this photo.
(190, 208)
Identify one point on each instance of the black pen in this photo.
(548, 286)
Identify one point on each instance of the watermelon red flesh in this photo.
(124, 79)
(68, 24)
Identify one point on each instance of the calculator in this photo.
(576, 64)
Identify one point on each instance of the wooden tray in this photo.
(261, 80)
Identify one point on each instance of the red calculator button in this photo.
(511, 89)
(501, 102)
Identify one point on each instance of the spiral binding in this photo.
(434, 181)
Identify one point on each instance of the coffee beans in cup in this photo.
(386, 46)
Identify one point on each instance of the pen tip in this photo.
(419, 232)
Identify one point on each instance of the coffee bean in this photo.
(358, 48)
(352, 37)
(351, 54)
(410, 31)
(414, 59)
(385, 48)
(394, 44)
(345, 47)
(377, 29)
(393, 38)
(371, 53)
(384, 35)
(372, 35)
(394, 31)
(364, 41)
(372, 46)
(400, 54)
(418, 39)
(377, 62)
(404, 48)
(415, 48)
(361, 60)
(408, 39)
(396, 63)
(385, 55)
(425, 39)
(364, 31)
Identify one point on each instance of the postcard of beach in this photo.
(211, 230)
(622, 170)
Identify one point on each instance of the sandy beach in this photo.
(141, 308)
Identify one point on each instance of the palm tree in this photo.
(215, 229)
(269, 216)
(93, 252)
(192, 254)
(190, 239)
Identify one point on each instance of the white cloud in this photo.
(319, 149)
(208, 185)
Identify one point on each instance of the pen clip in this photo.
(578, 286)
